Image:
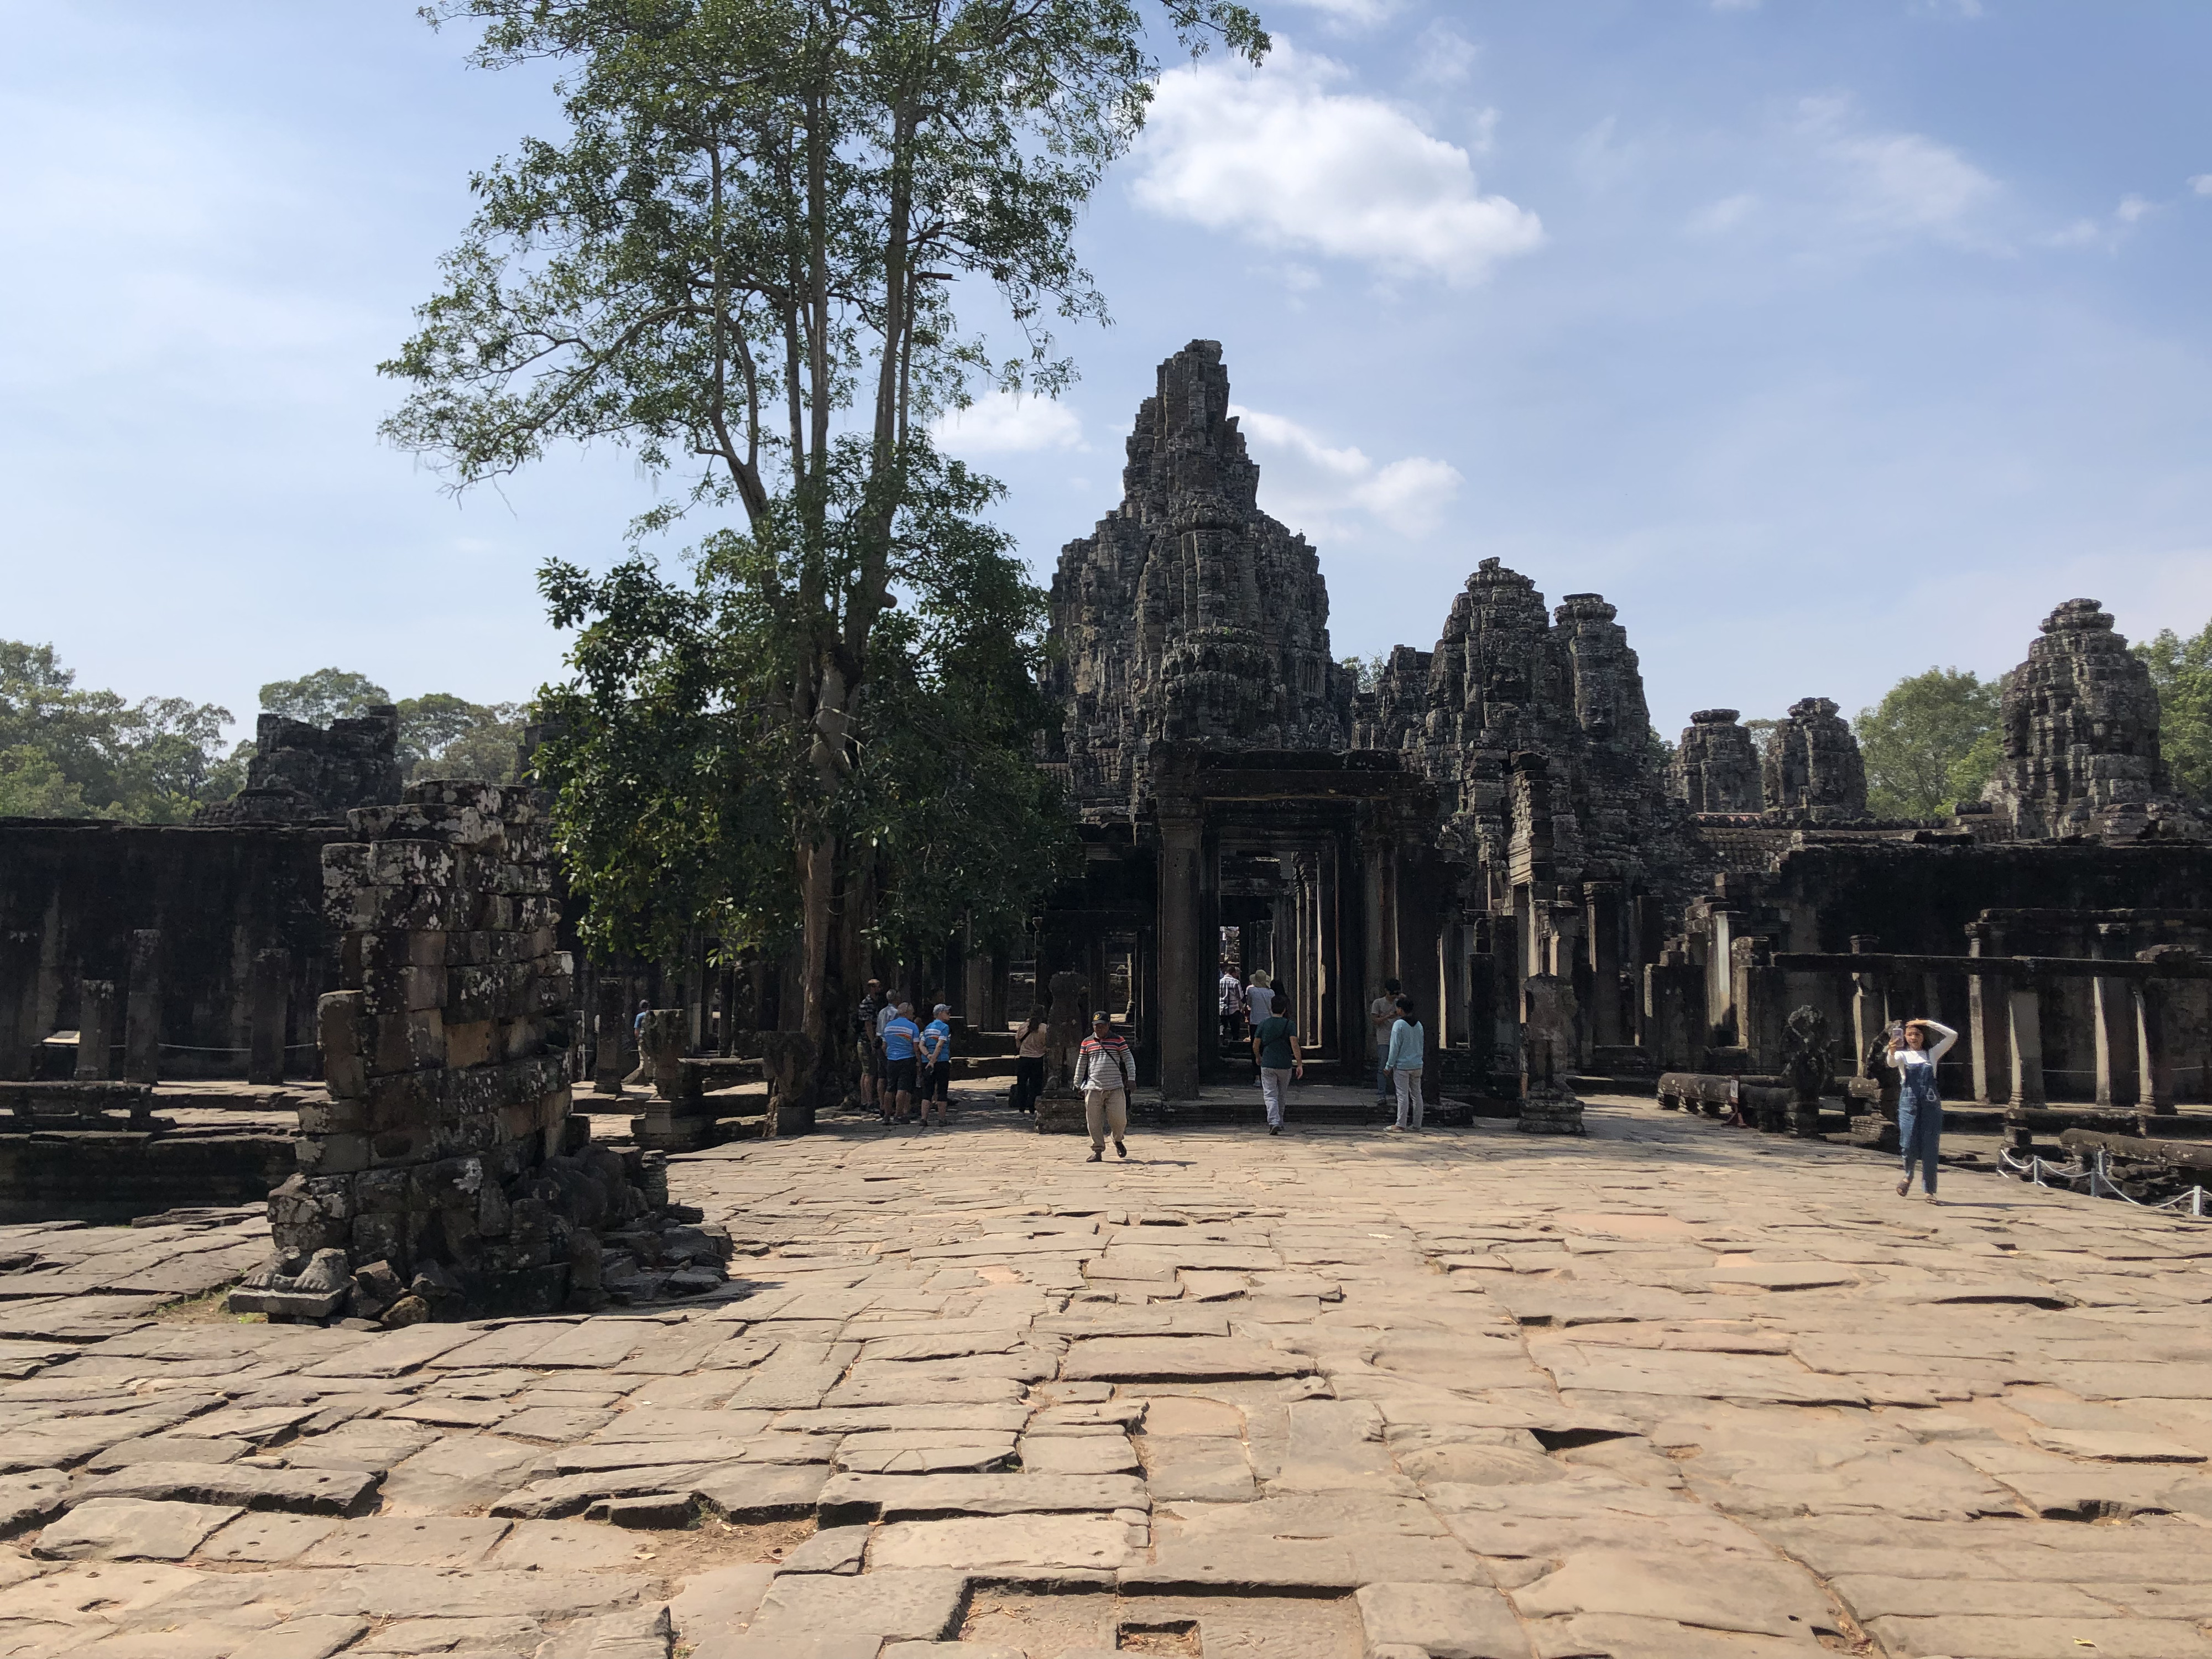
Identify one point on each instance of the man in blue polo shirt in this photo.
(900, 1035)
(935, 1075)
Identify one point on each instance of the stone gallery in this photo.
(1488, 820)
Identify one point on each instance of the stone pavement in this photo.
(1668, 1392)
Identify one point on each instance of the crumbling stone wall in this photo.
(1716, 768)
(303, 774)
(446, 1171)
(2081, 738)
(1188, 613)
(1812, 764)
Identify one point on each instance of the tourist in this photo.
(1260, 996)
(900, 1035)
(1919, 1105)
(1029, 1051)
(644, 1071)
(1232, 1003)
(864, 1021)
(1402, 1061)
(936, 1064)
(1275, 1051)
(1105, 1071)
(1382, 1015)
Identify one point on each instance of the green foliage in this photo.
(443, 736)
(679, 771)
(2181, 669)
(326, 694)
(1932, 739)
(33, 787)
(66, 752)
(1366, 672)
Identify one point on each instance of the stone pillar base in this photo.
(663, 1131)
(1551, 1113)
(1060, 1112)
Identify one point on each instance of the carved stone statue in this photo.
(1808, 1066)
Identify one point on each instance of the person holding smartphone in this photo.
(1919, 1103)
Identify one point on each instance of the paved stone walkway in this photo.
(1672, 1391)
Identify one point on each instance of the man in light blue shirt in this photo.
(900, 1035)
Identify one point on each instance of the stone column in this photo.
(612, 1030)
(19, 1004)
(1988, 1034)
(268, 1021)
(1672, 1021)
(1869, 1006)
(2153, 1058)
(2114, 1008)
(1759, 990)
(142, 1021)
(2023, 1005)
(1379, 882)
(1604, 923)
(95, 1030)
(1421, 919)
(1185, 1019)
(1720, 969)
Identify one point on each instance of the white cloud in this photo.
(1725, 214)
(1346, 15)
(2132, 207)
(2200, 183)
(1312, 485)
(1896, 181)
(1443, 56)
(1272, 155)
(1000, 424)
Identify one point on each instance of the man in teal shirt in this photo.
(1275, 1047)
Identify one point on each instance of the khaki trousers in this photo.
(1104, 1111)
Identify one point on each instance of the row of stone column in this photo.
(139, 1002)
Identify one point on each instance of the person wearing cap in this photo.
(936, 1063)
(1105, 1071)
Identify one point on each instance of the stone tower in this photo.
(2081, 738)
(1508, 678)
(1715, 769)
(1189, 614)
(1812, 762)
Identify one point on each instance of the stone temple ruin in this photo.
(367, 998)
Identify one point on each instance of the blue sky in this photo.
(1827, 340)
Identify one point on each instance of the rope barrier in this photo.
(2098, 1173)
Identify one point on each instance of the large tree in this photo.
(741, 260)
(2181, 669)
(1932, 740)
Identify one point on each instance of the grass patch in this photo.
(208, 1309)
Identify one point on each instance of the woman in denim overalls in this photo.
(1919, 1106)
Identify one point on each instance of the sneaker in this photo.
(1120, 1151)
(1274, 1128)
(1097, 1153)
